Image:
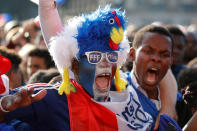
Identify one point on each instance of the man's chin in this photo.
(150, 85)
(101, 92)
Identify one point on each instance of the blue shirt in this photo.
(49, 114)
(5, 127)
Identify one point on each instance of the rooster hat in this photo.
(102, 30)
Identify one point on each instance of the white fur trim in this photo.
(124, 50)
(63, 47)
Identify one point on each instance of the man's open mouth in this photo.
(152, 75)
(103, 80)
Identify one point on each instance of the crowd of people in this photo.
(97, 73)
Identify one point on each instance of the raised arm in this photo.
(168, 95)
(49, 19)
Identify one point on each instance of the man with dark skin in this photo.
(190, 47)
(37, 59)
(152, 56)
(179, 49)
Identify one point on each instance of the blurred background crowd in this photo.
(21, 40)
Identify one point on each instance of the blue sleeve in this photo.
(166, 123)
(5, 127)
(47, 114)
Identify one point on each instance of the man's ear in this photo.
(132, 53)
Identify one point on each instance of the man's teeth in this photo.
(105, 74)
(154, 69)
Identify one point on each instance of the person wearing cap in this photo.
(11, 28)
(94, 54)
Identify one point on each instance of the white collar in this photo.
(136, 84)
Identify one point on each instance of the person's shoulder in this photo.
(38, 86)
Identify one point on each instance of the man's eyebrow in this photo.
(36, 65)
(164, 51)
(147, 46)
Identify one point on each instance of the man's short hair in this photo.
(42, 53)
(175, 30)
(153, 29)
(43, 76)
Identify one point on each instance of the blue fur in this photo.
(94, 33)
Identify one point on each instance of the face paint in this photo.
(96, 78)
(87, 75)
(102, 81)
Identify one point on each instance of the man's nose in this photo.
(104, 62)
(156, 57)
(33, 70)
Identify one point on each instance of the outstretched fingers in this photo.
(24, 97)
(40, 95)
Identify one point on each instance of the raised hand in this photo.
(50, 21)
